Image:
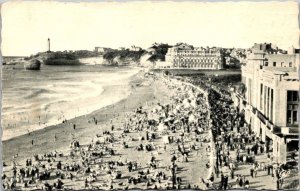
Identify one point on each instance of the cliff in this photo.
(122, 57)
(158, 52)
(145, 58)
(145, 61)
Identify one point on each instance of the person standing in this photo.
(222, 181)
(225, 182)
(277, 184)
(255, 170)
(232, 173)
(247, 184)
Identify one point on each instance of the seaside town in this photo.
(198, 118)
(150, 95)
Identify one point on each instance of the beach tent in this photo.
(165, 139)
(175, 111)
(193, 103)
(162, 127)
(192, 118)
(186, 103)
(178, 107)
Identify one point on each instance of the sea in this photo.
(33, 100)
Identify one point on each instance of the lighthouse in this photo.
(48, 45)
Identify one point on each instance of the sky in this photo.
(27, 25)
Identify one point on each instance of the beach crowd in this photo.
(198, 122)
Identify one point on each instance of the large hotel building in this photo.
(271, 98)
(186, 56)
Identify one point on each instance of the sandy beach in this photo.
(45, 138)
(146, 93)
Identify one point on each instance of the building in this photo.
(135, 48)
(101, 49)
(271, 98)
(186, 56)
(163, 65)
(121, 48)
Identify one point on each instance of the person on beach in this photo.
(247, 184)
(97, 159)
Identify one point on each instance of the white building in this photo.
(101, 49)
(186, 56)
(163, 65)
(135, 48)
(271, 99)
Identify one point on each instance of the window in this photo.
(290, 64)
(261, 96)
(292, 107)
(274, 63)
(282, 63)
(265, 98)
(292, 96)
(271, 101)
(266, 63)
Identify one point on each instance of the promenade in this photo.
(242, 161)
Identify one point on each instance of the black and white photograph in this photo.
(150, 95)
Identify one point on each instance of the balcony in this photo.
(294, 130)
(285, 130)
(276, 130)
(262, 118)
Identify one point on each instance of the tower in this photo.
(48, 44)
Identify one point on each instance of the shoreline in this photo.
(148, 93)
(19, 145)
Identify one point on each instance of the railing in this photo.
(261, 117)
(293, 130)
(285, 130)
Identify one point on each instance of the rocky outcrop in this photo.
(91, 60)
(145, 61)
(32, 65)
(118, 61)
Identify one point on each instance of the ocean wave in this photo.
(51, 101)
(37, 92)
